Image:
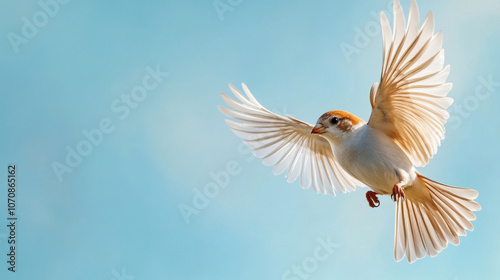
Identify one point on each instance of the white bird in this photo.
(404, 130)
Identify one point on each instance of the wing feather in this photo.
(287, 144)
(409, 103)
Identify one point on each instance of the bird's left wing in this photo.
(287, 144)
(409, 104)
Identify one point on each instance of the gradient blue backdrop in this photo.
(116, 215)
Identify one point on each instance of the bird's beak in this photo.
(318, 129)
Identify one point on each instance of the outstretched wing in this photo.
(409, 104)
(287, 144)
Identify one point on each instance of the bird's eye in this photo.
(334, 120)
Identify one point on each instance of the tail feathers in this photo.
(426, 227)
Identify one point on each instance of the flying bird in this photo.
(342, 151)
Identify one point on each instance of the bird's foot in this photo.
(397, 191)
(372, 199)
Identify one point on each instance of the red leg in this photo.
(372, 199)
(397, 191)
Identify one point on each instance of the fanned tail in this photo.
(432, 215)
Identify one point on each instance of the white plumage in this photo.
(287, 144)
(404, 130)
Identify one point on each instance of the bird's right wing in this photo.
(287, 144)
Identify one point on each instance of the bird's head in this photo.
(336, 124)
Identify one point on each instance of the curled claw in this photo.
(372, 199)
(397, 191)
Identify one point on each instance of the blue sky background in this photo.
(116, 215)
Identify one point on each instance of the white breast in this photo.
(373, 158)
